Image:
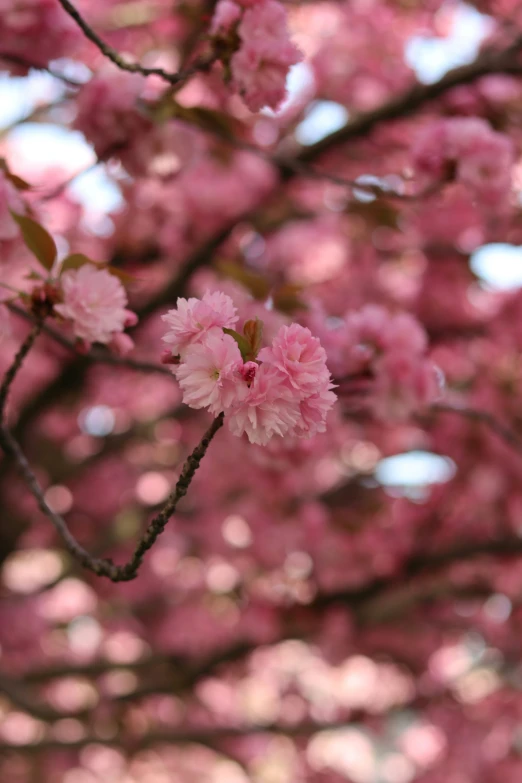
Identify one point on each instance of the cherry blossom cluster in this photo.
(95, 303)
(108, 116)
(382, 355)
(256, 33)
(468, 150)
(283, 389)
(33, 32)
(89, 297)
(113, 113)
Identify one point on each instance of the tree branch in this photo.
(99, 566)
(196, 736)
(95, 355)
(486, 418)
(115, 57)
(16, 59)
(16, 365)
(404, 104)
(18, 695)
(489, 61)
(102, 566)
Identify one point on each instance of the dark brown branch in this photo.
(18, 695)
(16, 365)
(115, 57)
(489, 61)
(188, 669)
(95, 355)
(16, 59)
(357, 128)
(180, 737)
(102, 566)
(503, 432)
(183, 673)
(99, 566)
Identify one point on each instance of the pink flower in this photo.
(269, 408)
(248, 371)
(404, 383)
(210, 373)
(259, 84)
(35, 30)
(288, 393)
(121, 344)
(226, 14)
(373, 330)
(108, 115)
(260, 66)
(94, 300)
(469, 150)
(193, 318)
(314, 410)
(299, 357)
(487, 169)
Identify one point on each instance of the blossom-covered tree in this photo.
(219, 559)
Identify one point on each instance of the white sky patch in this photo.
(431, 57)
(498, 265)
(96, 191)
(324, 118)
(415, 469)
(20, 96)
(42, 146)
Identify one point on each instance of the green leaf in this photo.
(75, 261)
(222, 125)
(121, 274)
(37, 239)
(253, 331)
(377, 212)
(18, 182)
(243, 344)
(258, 286)
(286, 298)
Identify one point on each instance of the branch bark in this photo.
(115, 57)
(99, 566)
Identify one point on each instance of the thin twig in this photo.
(16, 59)
(16, 365)
(105, 566)
(99, 566)
(486, 418)
(95, 355)
(488, 62)
(115, 57)
(18, 693)
(356, 129)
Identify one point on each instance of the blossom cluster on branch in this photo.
(283, 389)
(259, 52)
(288, 548)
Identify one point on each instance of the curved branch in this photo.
(115, 57)
(486, 418)
(16, 59)
(99, 566)
(489, 61)
(16, 365)
(95, 355)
